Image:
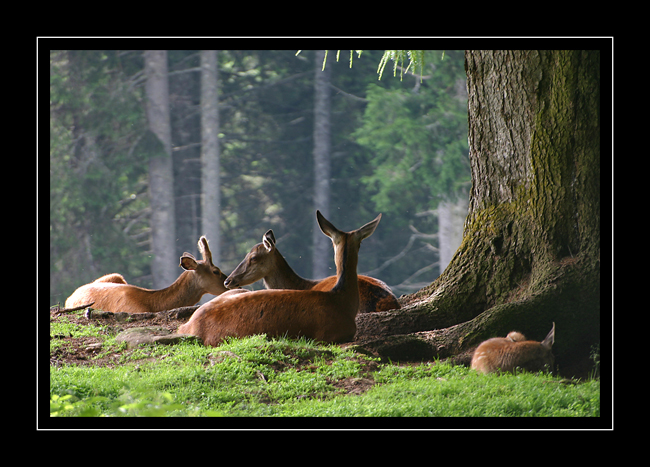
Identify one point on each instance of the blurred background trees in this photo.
(393, 146)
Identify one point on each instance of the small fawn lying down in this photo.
(507, 353)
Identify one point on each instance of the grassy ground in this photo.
(256, 377)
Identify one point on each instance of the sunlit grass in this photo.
(255, 376)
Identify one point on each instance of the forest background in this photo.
(381, 136)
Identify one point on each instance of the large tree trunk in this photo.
(210, 184)
(161, 176)
(321, 257)
(530, 254)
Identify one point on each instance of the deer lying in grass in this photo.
(326, 316)
(112, 293)
(265, 262)
(506, 354)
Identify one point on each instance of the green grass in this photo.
(255, 377)
(64, 327)
(445, 391)
(469, 396)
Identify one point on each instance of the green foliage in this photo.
(594, 356)
(96, 175)
(149, 146)
(100, 148)
(418, 139)
(138, 403)
(415, 57)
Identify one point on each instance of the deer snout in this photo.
(229, 283)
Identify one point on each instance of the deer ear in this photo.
(550, 339)
(188, 262)
(269, 240)
(204, 249)
(326, 226)
(367, 230)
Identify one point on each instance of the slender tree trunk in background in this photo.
(161, 178)
(530, 254)
(451, 218)
(322, 255)
(210, 185)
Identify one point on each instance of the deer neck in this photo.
(183, 292)
(347, 283)
(284, 277)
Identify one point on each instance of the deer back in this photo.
(374, 295)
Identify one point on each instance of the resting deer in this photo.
(265, 262)
(112, 293)
(323, 315)
(506, 354)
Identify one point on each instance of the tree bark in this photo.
(210, 183)
(161, 176)
(530, 254)
(321, 258)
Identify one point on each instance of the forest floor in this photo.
(76, 349)
(93, 374)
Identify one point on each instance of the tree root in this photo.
(176, 313)
(57, 310)
(571, 300)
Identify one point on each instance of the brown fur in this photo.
(112, 293)
(265, 261)
(327, 316)
(515, 336)
(114, 278)
(513, 351)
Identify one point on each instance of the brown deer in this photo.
(513, 351)
(265, 262)
(322, 315)
(112, 293)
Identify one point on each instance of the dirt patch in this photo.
(76, 350)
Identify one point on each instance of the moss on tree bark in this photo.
(530, 254)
